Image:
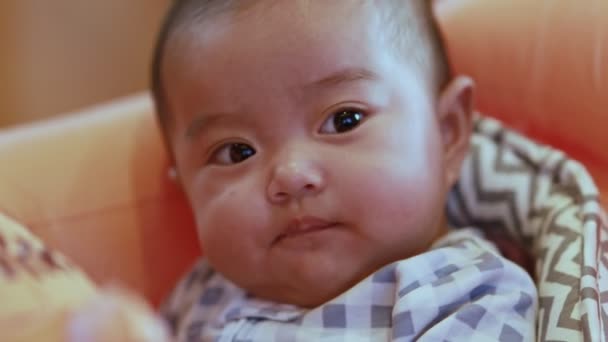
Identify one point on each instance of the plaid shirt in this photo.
(460, 290)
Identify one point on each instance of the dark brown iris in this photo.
(240, 152)
(347, 120)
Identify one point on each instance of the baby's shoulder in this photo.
(465, 259)
(464, 284)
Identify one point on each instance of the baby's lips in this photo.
(306, 224)
(114, 315)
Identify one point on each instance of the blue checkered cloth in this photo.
(460, 290)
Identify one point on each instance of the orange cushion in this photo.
(95, 186)
(540, 66)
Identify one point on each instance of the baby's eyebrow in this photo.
(205, 121)
(347, 75)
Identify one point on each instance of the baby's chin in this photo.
(309, 287)
(314, 270)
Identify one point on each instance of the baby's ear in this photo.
(455, 111)
(172, 174)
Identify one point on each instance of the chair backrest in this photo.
(95, 186)
(541, 66)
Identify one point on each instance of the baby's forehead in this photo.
(397, 16)
(186, 46)
(284, 27)
(335, 21)
(401, 23)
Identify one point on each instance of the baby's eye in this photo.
(232, 153)
(342, 121)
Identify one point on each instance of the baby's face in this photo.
(311, 156)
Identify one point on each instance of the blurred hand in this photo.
(117, 316)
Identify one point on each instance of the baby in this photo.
(316, 142)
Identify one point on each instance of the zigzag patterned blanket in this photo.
(550, 204)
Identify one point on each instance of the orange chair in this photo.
(95, 184)
(540, 66)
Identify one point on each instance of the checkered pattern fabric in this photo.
(460, 290)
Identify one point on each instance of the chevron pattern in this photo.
(549, 203)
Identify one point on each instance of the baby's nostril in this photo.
(309, 187)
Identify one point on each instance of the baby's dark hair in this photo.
(411, 23)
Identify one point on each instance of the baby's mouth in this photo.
(304, 225)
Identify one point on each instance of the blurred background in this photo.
(61, 55)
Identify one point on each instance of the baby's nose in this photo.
(294, 180)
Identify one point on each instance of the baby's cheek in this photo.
(230, 225)
(216, 202)
(221, 217)
(398, 203)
